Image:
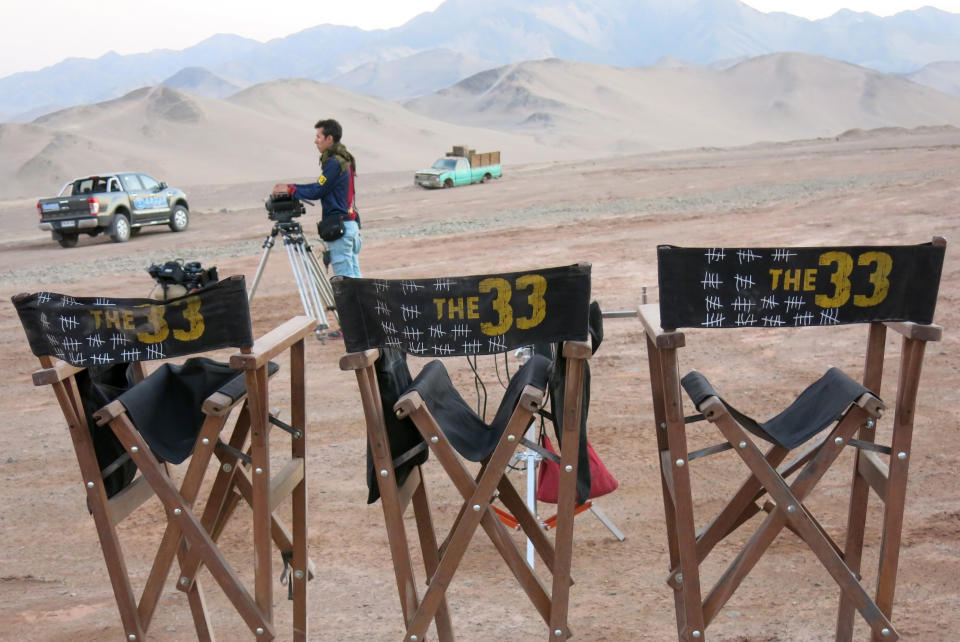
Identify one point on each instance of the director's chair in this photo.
(92, 351)
(382, 321)
(889, 287)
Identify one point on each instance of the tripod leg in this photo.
(311, 283)
(307, 286)
(296, 268)
(267, 246)
(323, 284)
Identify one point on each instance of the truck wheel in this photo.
(486, 177)
(120, 229)
(448, 183)
(68, 240)
(179, 218)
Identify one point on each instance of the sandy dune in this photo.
(532, 112)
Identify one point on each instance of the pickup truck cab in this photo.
(118, 203)
(460, 168)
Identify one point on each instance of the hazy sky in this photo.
(38, 33)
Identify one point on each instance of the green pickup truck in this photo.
(462, 166)
(119, 203)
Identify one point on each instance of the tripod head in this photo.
(283, 208)
(289, 231)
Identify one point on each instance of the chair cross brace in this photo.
(477, 510)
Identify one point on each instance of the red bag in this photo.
(548, 477)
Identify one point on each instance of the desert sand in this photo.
(877, 187)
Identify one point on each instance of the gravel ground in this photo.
(738, 198)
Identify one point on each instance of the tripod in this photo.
(316, 295)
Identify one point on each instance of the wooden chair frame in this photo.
(688, 547)
(478, 493)
(189, 538)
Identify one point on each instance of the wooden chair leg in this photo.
(198, 605)
(476, 511)
(656, 366)
(221, 500)
(389, 493)
(528, 523)
(260, 462)
(171, 542)
(198, 538)
(790, 509)
(689, 581)
(896, 497)
(298, 450)
(859, 486)
(740, 507)
(72, 407)
(431, 555)
(567, 498)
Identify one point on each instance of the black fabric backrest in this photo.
(797, 286)
(464, 315)
(96, 331)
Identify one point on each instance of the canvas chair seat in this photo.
(383, 320)
(167, 406)
(468, 433)
(92, 352)
(758, 290)
(821, 404)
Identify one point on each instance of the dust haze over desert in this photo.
(732, 144)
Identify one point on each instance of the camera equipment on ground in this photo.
(176, 278)
(316, 295)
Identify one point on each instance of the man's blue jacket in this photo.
(332, 188)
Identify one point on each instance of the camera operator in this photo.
(335, 190)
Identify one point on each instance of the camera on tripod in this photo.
(283, 208)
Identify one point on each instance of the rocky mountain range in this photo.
(540, 111)
(435, 50)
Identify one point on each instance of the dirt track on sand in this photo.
(613, 213)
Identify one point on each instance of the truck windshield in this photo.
(445, 163)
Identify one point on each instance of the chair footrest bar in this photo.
(875, 471)
(128, 500)
(285, 427)
(239, 454)
(410, 454)
(540, 450)
(285, 481)
(710, 450)
(869, 445)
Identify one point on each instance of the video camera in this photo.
(176, 278)
(283, 207)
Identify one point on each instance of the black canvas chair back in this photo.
(758, 290)
(92, 351)
(407, 417)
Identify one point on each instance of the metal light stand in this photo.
(532, 459)
(316, 295)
